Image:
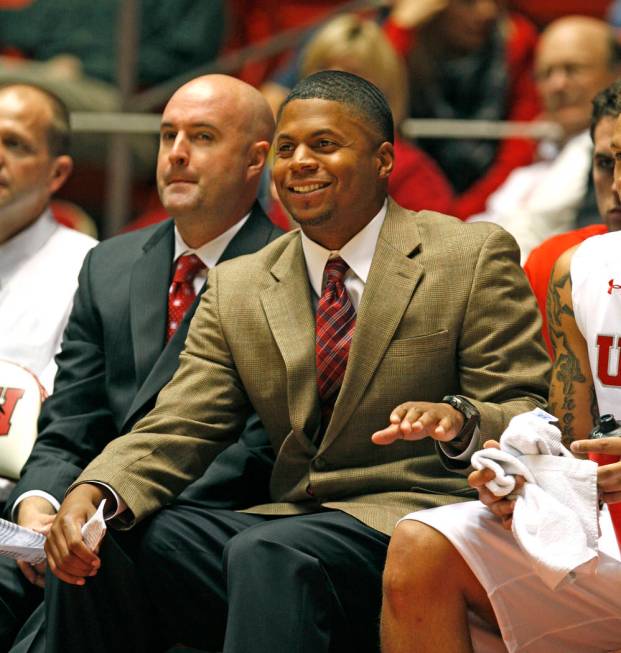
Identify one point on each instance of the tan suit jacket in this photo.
(446, 309)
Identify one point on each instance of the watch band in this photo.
(472, 417)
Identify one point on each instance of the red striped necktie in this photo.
(335, 322)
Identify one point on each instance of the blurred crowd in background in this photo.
(443, 59)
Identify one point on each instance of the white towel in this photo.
(555, 520)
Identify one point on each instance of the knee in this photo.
(241, 548)
(257, 552)
(417, 561)
(253, 547)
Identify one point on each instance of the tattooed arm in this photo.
(572, 395)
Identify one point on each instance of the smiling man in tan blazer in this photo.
(440, 309)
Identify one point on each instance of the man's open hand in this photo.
(415, 420)
(67, 555)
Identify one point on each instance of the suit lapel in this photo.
(289, 312)
(148, 300)
(393, 277)
(163, 369)
(257, 232)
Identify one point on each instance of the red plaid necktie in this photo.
(335, 323)
(181, 293)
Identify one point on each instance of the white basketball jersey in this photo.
(596, 295)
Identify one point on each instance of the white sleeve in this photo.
(34, 493)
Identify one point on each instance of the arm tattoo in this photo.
(568, 373)
(555, 307)
(567, 369)
(593, 406)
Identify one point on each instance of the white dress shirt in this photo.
(357, 253)
(210, 252)
(38, 277)
(39, 269)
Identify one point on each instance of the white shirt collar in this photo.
(357, 253)
(210, 252)
(549, 150)
(15, 251)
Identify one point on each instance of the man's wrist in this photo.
(472, 419)
(463, 439)
(95, 492)
(30, 505)
(114, 503)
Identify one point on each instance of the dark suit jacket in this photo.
(446, 309)
(114, 360)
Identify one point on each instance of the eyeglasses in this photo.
(569, 70)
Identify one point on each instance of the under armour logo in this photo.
(8, 400)
(613, 286)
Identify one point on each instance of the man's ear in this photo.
(61, 169)
(257, 158)
(385, 159)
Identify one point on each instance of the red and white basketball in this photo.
(21, 396)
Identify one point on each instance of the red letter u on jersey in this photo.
(8, 400)
(604, 359)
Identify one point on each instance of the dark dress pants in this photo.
(217, 579)
(304, 584)
(238, 477)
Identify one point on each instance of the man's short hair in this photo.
(363, 97)
(59, 130)
(606, 103)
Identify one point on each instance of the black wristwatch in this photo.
(472, 417)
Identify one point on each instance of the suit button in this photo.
(320, 463)
(309, 490)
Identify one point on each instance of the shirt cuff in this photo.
(115, 506)
(34, 493)
(466, 454)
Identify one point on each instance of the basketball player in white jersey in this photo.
(471, 560)
(584, 297)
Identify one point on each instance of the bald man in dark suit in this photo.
(120, 348)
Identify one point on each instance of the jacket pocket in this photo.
(458, 492)
(418, 345)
